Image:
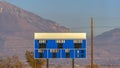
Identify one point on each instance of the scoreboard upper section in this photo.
(59, 45)
(60, 35)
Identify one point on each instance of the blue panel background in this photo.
(76, 54)
(36, 54)
(36, 43)
(84, 53)
(49, 54)
(51, 44)
(83, 43)
(45, 54)
(63, 54)
(82, 56)
(58, 54)
(71, 53)
(68, 44)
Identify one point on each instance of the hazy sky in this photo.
(76, 14)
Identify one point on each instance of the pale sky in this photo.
(76, 14)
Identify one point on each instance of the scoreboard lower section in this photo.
(49, 53)
(60, 45)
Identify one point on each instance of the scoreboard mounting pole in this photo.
(92, 42)
(47, 63)
(72, 63)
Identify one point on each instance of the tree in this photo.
(34, 63)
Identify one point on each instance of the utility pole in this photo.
(92, 42)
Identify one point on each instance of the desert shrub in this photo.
(34, 63)
(95, 66)
(11, 62)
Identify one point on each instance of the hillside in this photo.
(106, 47)
(17, 27)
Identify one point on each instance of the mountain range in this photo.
(17, 27)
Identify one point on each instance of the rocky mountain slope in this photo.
(17, 28)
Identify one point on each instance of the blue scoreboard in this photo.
(59, 45)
